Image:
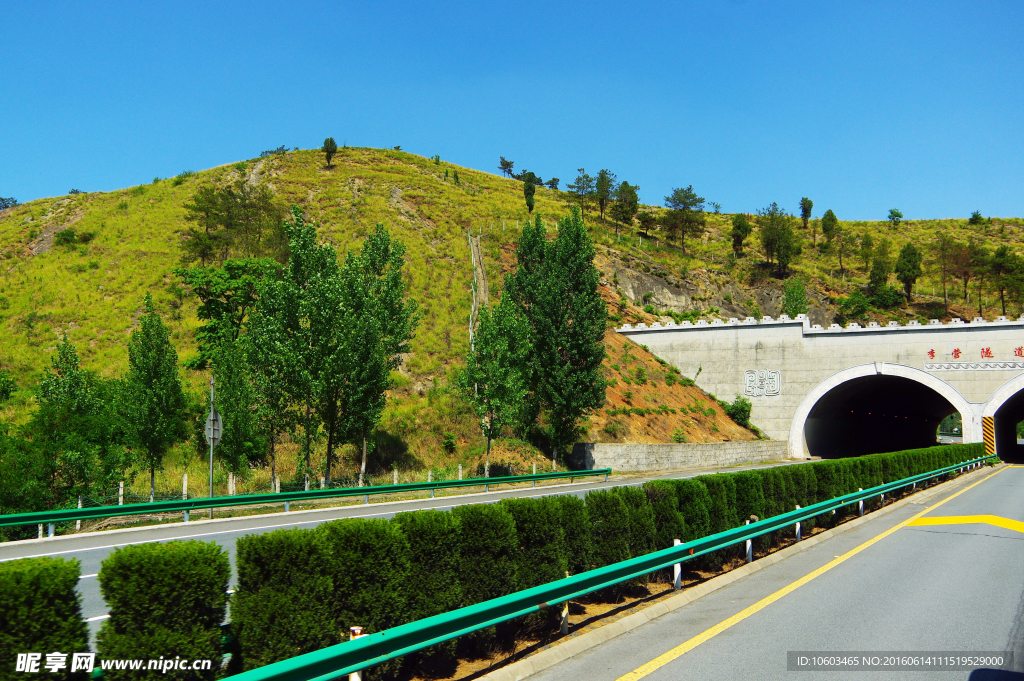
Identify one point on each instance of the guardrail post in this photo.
(186, 517)
(396, 474)
(184, 486)
(798, 525)
(430, 478)
(750, 547)
(606, 477)
(460, 472)
(860, 504)
(565, 613)
(78, 523)
(913, 488)
(120, 493)
(354, 633)
(287, 506)
(49, 530)
(307, 482)
(882, 499)
(677, 570)
(40, 530)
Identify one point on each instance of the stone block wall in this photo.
(631, 458)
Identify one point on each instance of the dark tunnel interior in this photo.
(875, 414)
(1006, 420)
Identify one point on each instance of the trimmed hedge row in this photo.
(40, 612)
(301, 590)
(165, 600)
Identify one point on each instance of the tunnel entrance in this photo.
(1007, 425)
(877, 413)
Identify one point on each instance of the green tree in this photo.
(241, 220)
(528, 191)
(627, 203)
(330, 148)
(741, 229)
(777, 237)
(1006, 270)
(842, 242)
(604, 189)
(496, 380)
(242, 442)
(867, 249)
(794, 298)
(582, 189)
(805, 210)
(381, 323)
(976, 218)
(505, 166)
(895, 218)
(943, 247)
(556, 287)
(829, 224)
(685, 215)
(152, 403)
(647, 221)
(552, 184)
(908, 268)
(226, 295)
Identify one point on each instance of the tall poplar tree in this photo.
(556, 287)
(152, 403)
(497, 370)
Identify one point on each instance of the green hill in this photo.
(128, 242)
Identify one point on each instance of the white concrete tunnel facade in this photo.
(787, 367)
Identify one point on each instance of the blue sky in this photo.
(862, 106)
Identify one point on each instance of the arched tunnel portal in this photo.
(1006, 409)
(874, 408)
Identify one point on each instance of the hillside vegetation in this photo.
(89, 285)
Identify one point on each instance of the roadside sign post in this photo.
(214, 428)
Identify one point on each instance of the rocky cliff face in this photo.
(644, 282)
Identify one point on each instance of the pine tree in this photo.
(806, 205)
(528, 191)
(330, 148)
(908, 268)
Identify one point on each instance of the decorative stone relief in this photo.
(766, 382)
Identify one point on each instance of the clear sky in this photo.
(861, 106)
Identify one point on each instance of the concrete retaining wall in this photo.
(639, 457)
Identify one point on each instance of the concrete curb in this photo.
(574, 646)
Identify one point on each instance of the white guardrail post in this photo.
(184, 494)
(798, 525)
(860, 504)
(430, 478)
(120, 493)
(677, 570)
(354, 633)
(750, 546)
(78, 523)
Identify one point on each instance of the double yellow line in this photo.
(683, 648)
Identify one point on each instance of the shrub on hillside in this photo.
(165, 600)
(281, 606)
(40, 611)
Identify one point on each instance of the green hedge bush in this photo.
(609, 527)
(277, 571)
(40, 612)
(579, 544)
(541, 556)
(433, 585)
(165, 600)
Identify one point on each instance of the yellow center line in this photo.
(1005, 523)
(683, 648)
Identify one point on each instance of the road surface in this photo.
(940, 575)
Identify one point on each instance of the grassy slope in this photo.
(93, 292)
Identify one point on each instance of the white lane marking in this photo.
(322, 520)
(98, 618)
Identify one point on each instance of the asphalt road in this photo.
(956, 585)
(93, 547)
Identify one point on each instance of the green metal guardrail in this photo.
(186, 505)
(366, 651)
